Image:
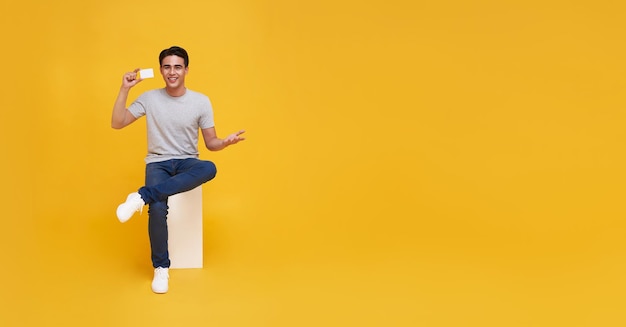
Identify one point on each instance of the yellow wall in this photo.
(408, 163)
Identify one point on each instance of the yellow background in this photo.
(408, 163)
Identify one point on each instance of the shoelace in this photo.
(141, 207)
(161, 273)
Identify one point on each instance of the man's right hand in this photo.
(131, 79)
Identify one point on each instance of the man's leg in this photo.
(157, 227)
(186, 174)
(172, 177)
(156, 173)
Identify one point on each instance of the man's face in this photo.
(173, 70)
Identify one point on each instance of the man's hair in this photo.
(174, 51)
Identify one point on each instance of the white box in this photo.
(184, 221)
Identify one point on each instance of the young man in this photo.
(174, 115)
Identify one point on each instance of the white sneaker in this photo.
(159, 283)
(133, 203)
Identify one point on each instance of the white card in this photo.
(146, 73)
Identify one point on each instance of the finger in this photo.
(136, 70)
(136, 77)
(240, 132)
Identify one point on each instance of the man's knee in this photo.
(158, 208)
(209, 170)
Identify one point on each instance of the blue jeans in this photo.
(163, 179)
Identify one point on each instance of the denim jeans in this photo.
(163, 179)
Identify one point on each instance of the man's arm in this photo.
(215, 143)
(121, 117)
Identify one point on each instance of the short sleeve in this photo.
(206, 117)
(138, 107)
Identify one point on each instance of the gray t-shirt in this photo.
(173, 122)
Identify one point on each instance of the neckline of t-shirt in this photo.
(173, 97)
